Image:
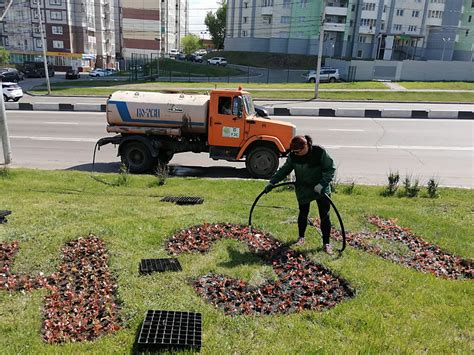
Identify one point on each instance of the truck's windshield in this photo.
(248, 102)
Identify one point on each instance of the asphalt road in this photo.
(365, 150)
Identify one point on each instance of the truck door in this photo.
(226, 127)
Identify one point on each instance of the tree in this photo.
(216, 25)
(4, 56)
(190, 44)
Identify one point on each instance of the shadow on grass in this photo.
(175, 170)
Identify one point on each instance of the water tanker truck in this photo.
(151, 127)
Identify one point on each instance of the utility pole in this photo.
(43, 44)
(320, 49)
(4, 136)
(7, 153)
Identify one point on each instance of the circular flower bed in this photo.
(81, 305)
(302, 283)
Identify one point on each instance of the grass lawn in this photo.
(142, 85)
(396, 309)
(282, 95)
(452, 85)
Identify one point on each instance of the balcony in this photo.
(267, 11)
(368, 30)
(336, 11)
(334, 27)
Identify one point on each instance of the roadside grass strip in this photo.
(69, 281)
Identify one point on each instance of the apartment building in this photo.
(77, 33)
(366, 29)
(152, 27)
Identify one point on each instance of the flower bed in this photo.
(302, 283)
(81, 305)
(418, 254)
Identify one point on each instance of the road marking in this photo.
(66, 123)
(345, 130)
(400, 147)
(56, 139)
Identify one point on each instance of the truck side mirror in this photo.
(237, 107)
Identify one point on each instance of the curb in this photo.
(25, 106)
(382, 113)
(272, 111)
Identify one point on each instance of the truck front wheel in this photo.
(262, 162)
(136, 157)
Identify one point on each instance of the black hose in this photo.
(341, 223)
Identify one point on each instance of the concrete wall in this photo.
(408, 70)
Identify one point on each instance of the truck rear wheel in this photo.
(136, 157)
(262, 162)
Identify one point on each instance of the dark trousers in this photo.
(323, 206)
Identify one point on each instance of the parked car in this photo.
(198, 58)
(72, 74)
(326, 74)
(12, 91)
(173, 53)
(217, 61)
(36, 70)
(98, 72)
(11, 74)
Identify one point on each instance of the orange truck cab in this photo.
(152, 127)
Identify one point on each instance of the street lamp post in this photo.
(445, 40)
(159, 55)
(320, 50)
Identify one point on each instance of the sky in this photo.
(197, 13)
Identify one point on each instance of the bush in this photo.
(432, 188)
(411, 189)
(391, 188)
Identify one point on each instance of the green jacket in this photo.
(316, 167)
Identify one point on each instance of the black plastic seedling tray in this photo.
(159, 265)
(3, 215)
(170, 330)
(183, 200)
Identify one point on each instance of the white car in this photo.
(173, 53)
(100, 72)
(12, 91)
(217, 61)
(326, 74)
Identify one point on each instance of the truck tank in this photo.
(129, 109)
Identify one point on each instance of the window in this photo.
(246, 5)
(56, 15)
(368, 6)
(415, 13)
(412, 28)
(469, 19)
(36, 28)
(359, 53)
(286, 4)
(5, 41)
(244, 19)
(303, 3)
(400, 12)
(55, 2)
(301, 19)
(57, 30)
(244, 33)
(285, 19)
(39, 44)
(58, 44)
(225, 104)
(397, 27)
